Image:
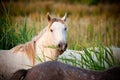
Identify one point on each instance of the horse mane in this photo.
(39, 34)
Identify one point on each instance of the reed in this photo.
(88, 26)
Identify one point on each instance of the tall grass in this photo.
(89, 32)
(84, 30)
(12, 36)
(95, 58)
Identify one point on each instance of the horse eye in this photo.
(65, 29)
(51, 30)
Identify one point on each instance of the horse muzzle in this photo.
(62, 47)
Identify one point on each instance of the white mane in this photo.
(39, 34)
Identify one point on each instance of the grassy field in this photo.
(88, 25)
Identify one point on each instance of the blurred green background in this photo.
(90, 22)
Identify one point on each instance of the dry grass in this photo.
(26, 8)
(87, 25)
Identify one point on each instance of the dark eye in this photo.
(51, 30)
(65, 29)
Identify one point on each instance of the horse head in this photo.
(57, 29)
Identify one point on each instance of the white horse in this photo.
(77, 57)
(48, 45)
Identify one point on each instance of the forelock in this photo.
(57, 20)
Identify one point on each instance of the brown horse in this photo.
(53, 70)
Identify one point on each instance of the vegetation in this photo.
(88, 25)
(95, 58)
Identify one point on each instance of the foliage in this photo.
(95, 58)
(87, 27)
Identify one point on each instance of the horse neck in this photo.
(42, 47)
(30, 48)
(39, 43)
(44, 53)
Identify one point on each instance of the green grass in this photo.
(95, 58)
(84, 31)
(11, 37)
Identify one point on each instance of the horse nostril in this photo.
(59, 45)
(62, 46)
(66, 46)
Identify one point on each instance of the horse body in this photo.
(60, 71)
(116, 53)
(23, 56)
(77, 56)
(10, 62)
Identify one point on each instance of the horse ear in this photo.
(48, 17)
(64, 17)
